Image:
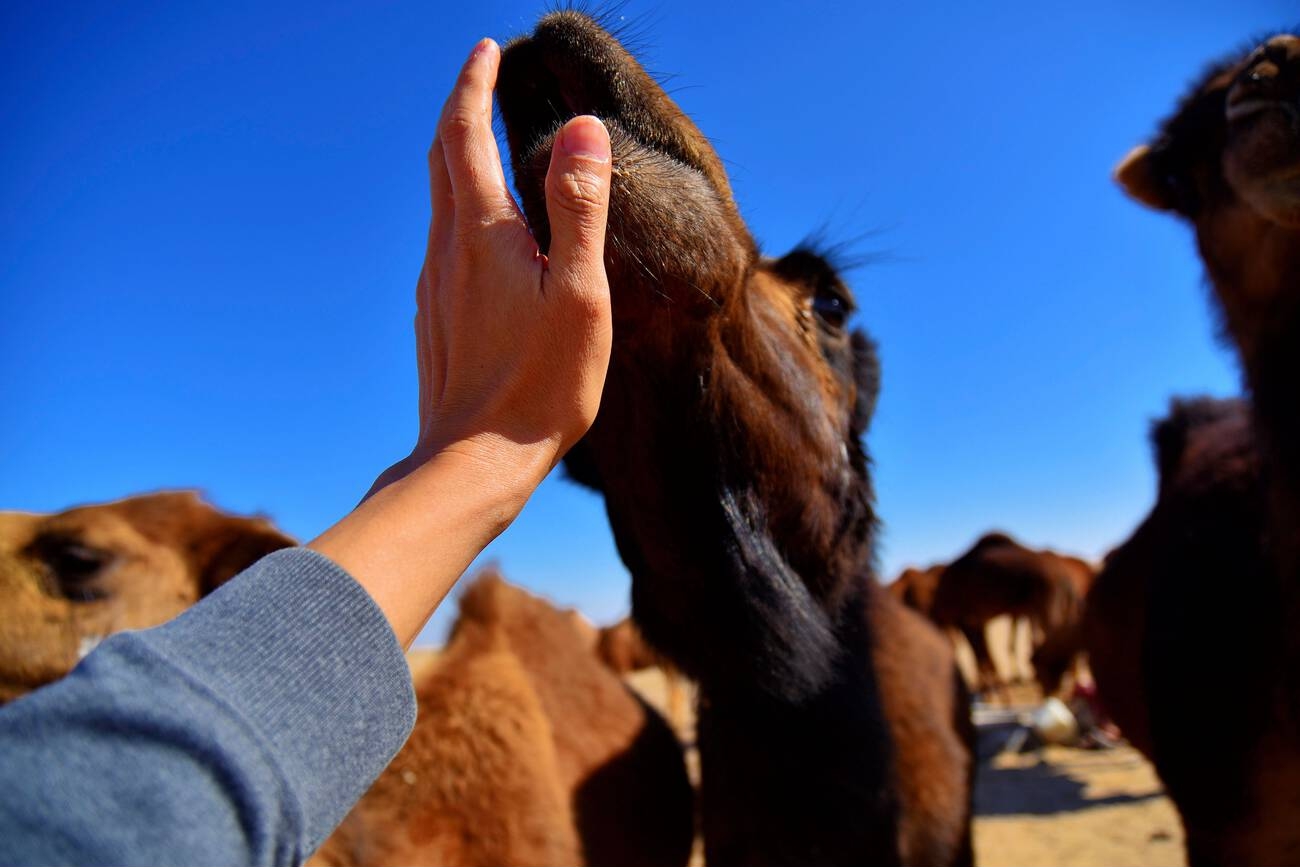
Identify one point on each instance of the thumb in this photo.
(577, 200)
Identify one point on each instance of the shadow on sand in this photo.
(1038, 790)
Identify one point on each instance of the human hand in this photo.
(513, 346)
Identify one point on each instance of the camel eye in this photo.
(831, 309)
(74, 567)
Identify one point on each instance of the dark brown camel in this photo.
(1061, 652)
(69, 579)
(998, 576)
(527, 750)
(1193, 626)
(833, 725)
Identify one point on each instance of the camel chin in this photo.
(1261, 158)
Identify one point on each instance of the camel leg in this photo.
(676, 701)
(987, 679)
(1017, 670)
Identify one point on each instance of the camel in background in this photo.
(915, 588)
(833, 725)
(1193, 627)
(527, 750)
(70, 579)
(999, 576)
(624, 649)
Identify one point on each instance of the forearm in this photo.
(422, 526)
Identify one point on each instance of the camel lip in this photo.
(571, 68)
(538, 126)
(1243, 107)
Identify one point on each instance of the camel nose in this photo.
(1269, 74)
(1271, 59)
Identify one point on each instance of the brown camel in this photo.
(526, 751)
(624, 649)
(1060, 655)
(1193, 627)
(833, 725)
(69, 579)
(998, 576)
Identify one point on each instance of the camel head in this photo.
(1228, 161)
(69, 579)
(915, 587)
(728, 444)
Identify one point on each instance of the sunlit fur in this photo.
(527, 751)
(69, 579)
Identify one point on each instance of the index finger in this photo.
(478, 184)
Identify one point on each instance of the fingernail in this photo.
(585, 137)
(483, 45)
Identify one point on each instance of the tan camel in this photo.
(68, 580)
(527, 750)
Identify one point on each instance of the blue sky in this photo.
(213, 216)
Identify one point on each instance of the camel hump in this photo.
(1170, 435)
(994, 539)
(489, 609)
(487, 599)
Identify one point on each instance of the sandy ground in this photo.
(1074, 807)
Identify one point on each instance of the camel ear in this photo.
(1137, 173)
(233, 546)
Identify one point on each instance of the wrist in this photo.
(492, 477)
(426, 520)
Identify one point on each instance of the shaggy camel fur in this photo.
(69, 579)
(526, 751)
(999, 576)
(1207, 591)
(833, 725)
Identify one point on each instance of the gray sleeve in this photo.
(241, 732)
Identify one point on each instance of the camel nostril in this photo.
(1264, 71)
(1277, 50)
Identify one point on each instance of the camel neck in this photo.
(801, 781)
(740, 556)
(1273, 372)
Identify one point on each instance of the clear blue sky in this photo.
(213, 215)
